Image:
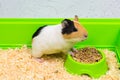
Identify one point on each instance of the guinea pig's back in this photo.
(50, 38)
(50, 33)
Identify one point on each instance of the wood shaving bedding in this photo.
(18, 64)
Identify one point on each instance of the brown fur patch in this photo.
(78, 34)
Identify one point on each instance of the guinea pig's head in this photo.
(73, 31)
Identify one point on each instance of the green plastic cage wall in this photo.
(102, 33)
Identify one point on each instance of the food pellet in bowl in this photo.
(87, 55)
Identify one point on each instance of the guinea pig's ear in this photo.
(76, 18)
(68, 26)
(65, 23)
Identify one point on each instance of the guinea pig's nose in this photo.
(85, 35)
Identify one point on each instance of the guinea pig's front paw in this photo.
(74, 50)
(71, 53)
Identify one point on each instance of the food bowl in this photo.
(94, 70)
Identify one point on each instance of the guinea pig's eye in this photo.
(74, 29)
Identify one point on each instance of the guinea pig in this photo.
(57, 38)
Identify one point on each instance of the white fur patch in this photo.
(49, 41)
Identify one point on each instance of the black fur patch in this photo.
(68, 26)
(38, 31)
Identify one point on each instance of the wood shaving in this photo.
(18, 64)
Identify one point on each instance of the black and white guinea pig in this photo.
(57, 38)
